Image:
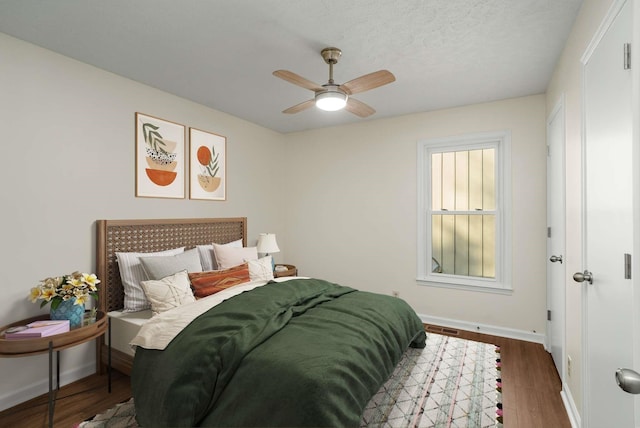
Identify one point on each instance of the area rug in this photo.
(123, 415)
(452, 382)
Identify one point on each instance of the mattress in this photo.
(124, 327)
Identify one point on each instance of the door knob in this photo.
(554, 259)
(628, 380)
(583, 276)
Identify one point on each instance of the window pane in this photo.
(449, 181)
(462, 181)
(448, 244)
(464, 245)
(475, 245)
(488, 180)
(436, 247)
(436, 181)
(489, 246)
(475, 180)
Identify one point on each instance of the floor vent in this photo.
(442, 330)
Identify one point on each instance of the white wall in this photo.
(351, 214)
(567, 80)
(67, 132)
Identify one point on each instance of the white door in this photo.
(556, 237)
(608, 228)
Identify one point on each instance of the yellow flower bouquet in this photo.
(64, 288)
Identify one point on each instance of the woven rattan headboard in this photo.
(154, 235)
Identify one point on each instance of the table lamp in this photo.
(267, 244)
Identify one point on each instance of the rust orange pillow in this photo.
(206, 283)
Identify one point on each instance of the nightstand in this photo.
(57, 342)
(291, 270)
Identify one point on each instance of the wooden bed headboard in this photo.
(152, 235)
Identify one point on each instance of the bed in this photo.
(145, 235)
(292, 352)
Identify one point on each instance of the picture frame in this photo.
(160, 163)
(207, 165)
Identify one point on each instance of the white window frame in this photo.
(501, 141)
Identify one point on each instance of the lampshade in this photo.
(267, 243)
(331, 100)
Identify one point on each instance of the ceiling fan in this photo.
(332, 96)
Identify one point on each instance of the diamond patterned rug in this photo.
(452, 382)
(123, 415)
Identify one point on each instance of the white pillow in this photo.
(227, 256)
(160, 266)
(168, 292)
(261, 269)
(132, 274)
(208, 260)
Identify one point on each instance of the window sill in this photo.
(497, 289)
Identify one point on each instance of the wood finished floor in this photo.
(530, 383)
(530, 396)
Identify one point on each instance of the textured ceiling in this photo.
(221, 53)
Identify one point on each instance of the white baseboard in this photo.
(39, 388)
(485, 329)
(570, 406)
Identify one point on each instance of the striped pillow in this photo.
(132, 274)
(206, 283)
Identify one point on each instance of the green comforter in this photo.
(304, 352)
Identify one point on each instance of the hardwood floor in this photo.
(76, 402)
(530, 383)
(530, 395)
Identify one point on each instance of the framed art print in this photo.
(160, 164)
(207, 165)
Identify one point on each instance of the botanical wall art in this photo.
(207, 165)
(160, 161)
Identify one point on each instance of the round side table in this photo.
(290, 270)
(10, 348)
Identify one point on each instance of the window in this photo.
(464, 212)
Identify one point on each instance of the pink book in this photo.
(38, 329)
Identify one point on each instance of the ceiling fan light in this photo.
(331, 100)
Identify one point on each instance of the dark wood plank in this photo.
(76, 402)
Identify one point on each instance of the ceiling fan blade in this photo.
(292, 77)
(299, 107)
(368, 81)
(358, 108)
